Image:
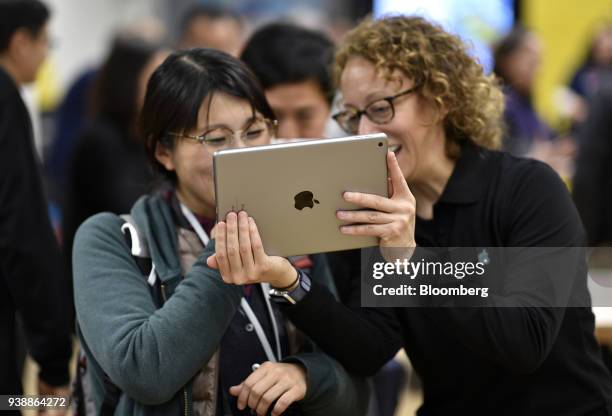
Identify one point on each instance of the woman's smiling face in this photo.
(415, 132)
(193, 161)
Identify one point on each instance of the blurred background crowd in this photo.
(554, 59)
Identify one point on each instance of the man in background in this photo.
(205, 26)
(293, 65)
(32, 279)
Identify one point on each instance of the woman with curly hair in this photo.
(408, 78)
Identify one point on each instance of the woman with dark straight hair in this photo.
(169, 334)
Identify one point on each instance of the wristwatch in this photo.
(292, 296)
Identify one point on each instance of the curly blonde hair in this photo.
(440, 65)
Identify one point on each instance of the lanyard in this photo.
(195, 224)
(246, 308)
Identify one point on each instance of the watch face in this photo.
(276, 292)
(281, 296)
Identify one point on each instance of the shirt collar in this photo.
(469, 176)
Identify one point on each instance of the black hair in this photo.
(179, 86)
(283, 53)
(506, 47)
(115, 90)
(207, 10)
(21, 14)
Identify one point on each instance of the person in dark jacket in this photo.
(32, 278)
(451, 187)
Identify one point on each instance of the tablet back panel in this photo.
(293, 190)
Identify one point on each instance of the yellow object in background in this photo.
(46, 86)
(566, 28)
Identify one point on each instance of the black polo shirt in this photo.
(505, 361)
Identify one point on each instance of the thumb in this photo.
(212, 262)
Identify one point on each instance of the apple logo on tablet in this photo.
(304, 199)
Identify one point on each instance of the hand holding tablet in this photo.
(240, 257)
(390, 219)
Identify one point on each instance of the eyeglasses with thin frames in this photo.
(257, 131)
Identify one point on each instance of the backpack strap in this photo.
(138, 248)
(140, 253)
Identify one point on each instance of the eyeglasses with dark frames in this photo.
(380, 111)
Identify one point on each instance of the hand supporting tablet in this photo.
(240, 256)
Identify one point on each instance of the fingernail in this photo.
(348, 194)
(341, 214)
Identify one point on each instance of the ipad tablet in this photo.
(293, 190)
